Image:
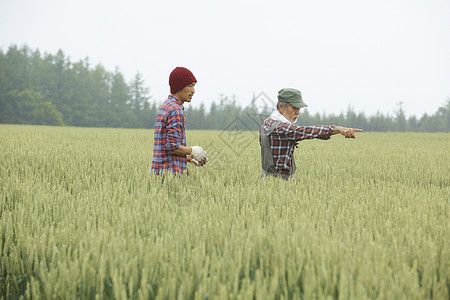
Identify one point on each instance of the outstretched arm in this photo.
(345, 131)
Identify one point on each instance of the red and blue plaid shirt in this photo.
(285, 137)
(169, 136)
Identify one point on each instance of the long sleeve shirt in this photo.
(285, 137)
(170, 134)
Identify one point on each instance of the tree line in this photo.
(47, 89)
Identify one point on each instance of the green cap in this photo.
(291, 96)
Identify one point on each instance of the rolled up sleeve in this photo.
(174, 130)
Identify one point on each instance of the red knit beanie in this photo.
(179, 78)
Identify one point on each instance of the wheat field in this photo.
(81, 217)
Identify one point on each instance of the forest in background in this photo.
(49, 89)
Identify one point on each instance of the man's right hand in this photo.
(349, 133)
(199, 154)
(195, 162)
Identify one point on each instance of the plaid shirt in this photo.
(285, 137)
(169, 136)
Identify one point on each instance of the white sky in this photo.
(369, 55)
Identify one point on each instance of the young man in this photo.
(170, 153)
(279, 137)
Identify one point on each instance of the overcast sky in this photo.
(369, 55)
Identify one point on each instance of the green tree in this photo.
(23, 104)
(139, 100)
(379, 122)
(45, 113)
(139, 94)
(7, 113)
(400, 117)
(119, 99)
(442, 117)
(150, 112)
(28, 107)
(60, 89)
(412, 123)
(17, 68)
(81, 101)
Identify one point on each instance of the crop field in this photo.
(81, 217)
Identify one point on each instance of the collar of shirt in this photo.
(279, 117)
(176, 100)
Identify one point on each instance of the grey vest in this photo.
(267, 164)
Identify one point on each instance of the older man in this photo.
(170, 153)
(279, 136)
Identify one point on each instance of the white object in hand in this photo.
(199, 154)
